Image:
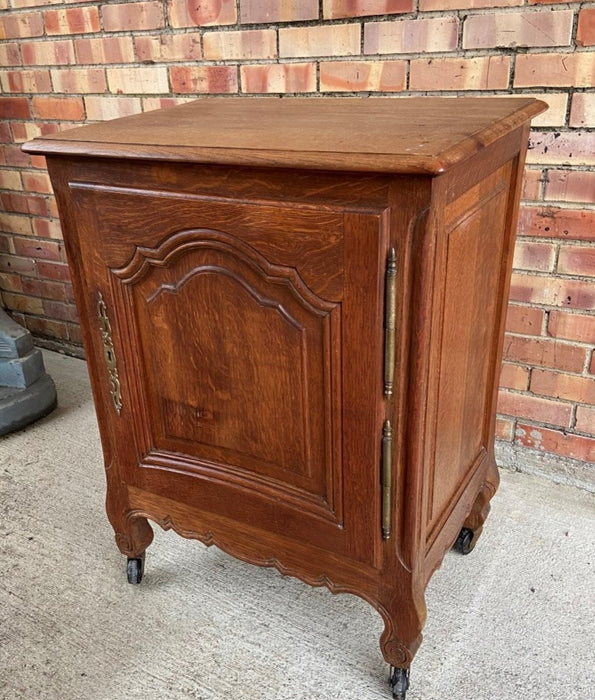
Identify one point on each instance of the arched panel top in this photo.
(144, 258)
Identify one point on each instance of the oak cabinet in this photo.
(293, 317)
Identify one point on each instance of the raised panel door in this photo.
(239, 338)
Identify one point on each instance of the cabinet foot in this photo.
(467, 540)
(399, 682)
(135, 568)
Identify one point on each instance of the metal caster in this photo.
(399, 682)
(466, 541)
(135, 568)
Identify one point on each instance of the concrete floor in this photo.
(515, 619)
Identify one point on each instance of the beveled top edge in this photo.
(379, 134)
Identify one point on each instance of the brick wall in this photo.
(65, 63)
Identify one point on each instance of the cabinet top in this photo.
(378, 134)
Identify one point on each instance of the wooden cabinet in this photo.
(293, 315)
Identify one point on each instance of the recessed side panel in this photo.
(475, 226)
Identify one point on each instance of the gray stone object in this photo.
(26, 391)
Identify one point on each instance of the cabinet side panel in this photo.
(475, 226)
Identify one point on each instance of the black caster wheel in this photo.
(465, 541)
(135, 568)
(399, 682)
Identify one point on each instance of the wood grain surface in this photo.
(419, 134)
(246, 304)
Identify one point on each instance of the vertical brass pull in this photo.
(390, 321)
(387, 477)
(109, 353)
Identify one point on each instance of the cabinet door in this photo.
(249, 341)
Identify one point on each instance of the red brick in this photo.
(10, 55)
(69, 108)
(10, 283)
(357, 76)
(592, 363)
(47, 228)
(14, 26)
(322, 40)
(60, 310)
(570, 186)
(23, 303)
(5, 243)
(562, 148)
(481, 73)
(79, 80)
(411, 35)
(14, 108)
(551, 2)
(14, 156)
(48, 53)
(190, 13)
(577, 260)
(26, 81)
(10, 180)
(337, 9)
(553, 69)
(15, 223)
(25, 131)
(532, 184)
(38, 249)
(30, 3)
(514, 377)
(138, 79)
(551, 222)
(555, 115)
(168, 47)
(52, 207)
(38, 162)
(107, 107)
(74, 333)
(582, 110)
(563, 386)
(24, 203)
(47, 328)
(151, 103)
(504, 429)
(69, 291)
(5, 133)
(442, 5)
(203, 79)
(556, 442)
(247, 44)
(278, 78)
(44, 288)
(534, 408)
(585, 33)
(104, 50)
(524, 319)
(552, 291)
(75, 20)
(133, 16)
(579, 327)
(585, 419)
(512, 29)
(20, 265)
(534, 256)
(37, 182)
(269, 11)
(544, 352)
(53, 270)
